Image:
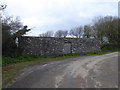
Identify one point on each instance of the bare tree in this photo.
(61, 33)
(107, 27)
(77, 32)
(65, 33)
(93, 32)
(14, 22)
(47, 34)
(87, 31)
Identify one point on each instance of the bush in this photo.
(9, 60)
(109, 46)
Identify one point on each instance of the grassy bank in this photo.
(11, 66)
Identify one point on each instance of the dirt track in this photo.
(82, 72)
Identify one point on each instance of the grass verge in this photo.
(12, 66)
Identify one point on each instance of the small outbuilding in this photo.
(44, 46)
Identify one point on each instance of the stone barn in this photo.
(44, 46)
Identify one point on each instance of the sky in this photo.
(53, 15)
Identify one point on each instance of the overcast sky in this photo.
(46, 15)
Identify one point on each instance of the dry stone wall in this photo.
(50, 45)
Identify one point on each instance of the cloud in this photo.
(53, 15)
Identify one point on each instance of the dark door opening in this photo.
(67, 48)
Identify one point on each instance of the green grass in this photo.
(12, 66)
(8, 60)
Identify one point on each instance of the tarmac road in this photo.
(82, 72)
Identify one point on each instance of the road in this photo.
(82, 72)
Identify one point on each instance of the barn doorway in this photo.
(67, 48)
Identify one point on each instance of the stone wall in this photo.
(50, 45)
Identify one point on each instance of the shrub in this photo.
(109, 46)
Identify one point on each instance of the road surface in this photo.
(82, 72)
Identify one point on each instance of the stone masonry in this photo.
(44, 46)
